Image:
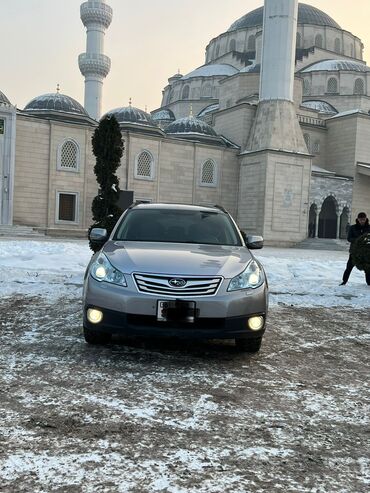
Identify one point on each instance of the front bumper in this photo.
(147, 325)
(130, 312)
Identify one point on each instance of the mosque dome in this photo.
(190, 126)
(333, 65)
(163, 115)
(212, 70)
(132, 115)
(134, 119)
(306, 15)
(55, 102)
(320, 106)
(254, 68)
(3, 98)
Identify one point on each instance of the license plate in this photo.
(176, 311)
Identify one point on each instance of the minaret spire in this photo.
(96, 16)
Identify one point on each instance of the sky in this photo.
(148, 41)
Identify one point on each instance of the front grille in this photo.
(159, 285)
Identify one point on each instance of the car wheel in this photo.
(248, 345)
(96, 338)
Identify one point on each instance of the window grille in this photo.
(208, 173)
(318, 41)
(67, 207)
(332, 85)
(337, 45)
(316, 147)
(306, 87)
(252, 43)
(359, 86)
(307, 139)
(69, 155)
(144, 165)
(232, 45)
(185, 92)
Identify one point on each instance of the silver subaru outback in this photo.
(175, 270)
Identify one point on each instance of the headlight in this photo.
(103, 270)
(252, 277)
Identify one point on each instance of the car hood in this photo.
(177, 259)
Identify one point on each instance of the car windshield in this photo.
(178, 226)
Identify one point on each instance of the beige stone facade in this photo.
(204, 144)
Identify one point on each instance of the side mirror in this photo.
(254, 242)
(98, 235)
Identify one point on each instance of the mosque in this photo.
(274, 127)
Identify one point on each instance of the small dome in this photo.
(255, 68)
(130, 114)
(3, 99)
(332, 65)
(212, 70)
(208, 109)
(55, 102)
(190, 125)
(306, 15)
(320, 106)
(164, 114)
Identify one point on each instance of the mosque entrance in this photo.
(328, 219)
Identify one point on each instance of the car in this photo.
(175, 270)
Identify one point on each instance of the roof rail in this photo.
(137, 202)
(220, 207)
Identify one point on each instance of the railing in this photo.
(309, 120)
(94, 63)
(96, 12)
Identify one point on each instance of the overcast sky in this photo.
(148, 41)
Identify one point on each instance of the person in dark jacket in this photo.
(361, 227)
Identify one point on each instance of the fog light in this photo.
(94, 316)
(255, 323)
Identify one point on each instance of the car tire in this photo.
(248, 345)
(96, 338)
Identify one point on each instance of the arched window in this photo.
(306, 87)
(332, 87)
(318, 40)
(208, 174)
(68, 156)
(206, 91)
(337, 45)
(307, 139)
(144, 166)
(185, 92)
(299, 40)
(316, 147)
(232, 45)
(359, 87)
(251, 43)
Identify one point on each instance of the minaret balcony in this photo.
(94, 64)
(95, 12)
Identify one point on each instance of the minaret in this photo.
(275, 166)
(96, 16)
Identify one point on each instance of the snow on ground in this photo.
(296, 277)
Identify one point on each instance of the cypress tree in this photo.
(108, 148)
(361, 253)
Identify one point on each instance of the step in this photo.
(15, 230)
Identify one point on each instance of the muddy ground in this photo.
(148, 416)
